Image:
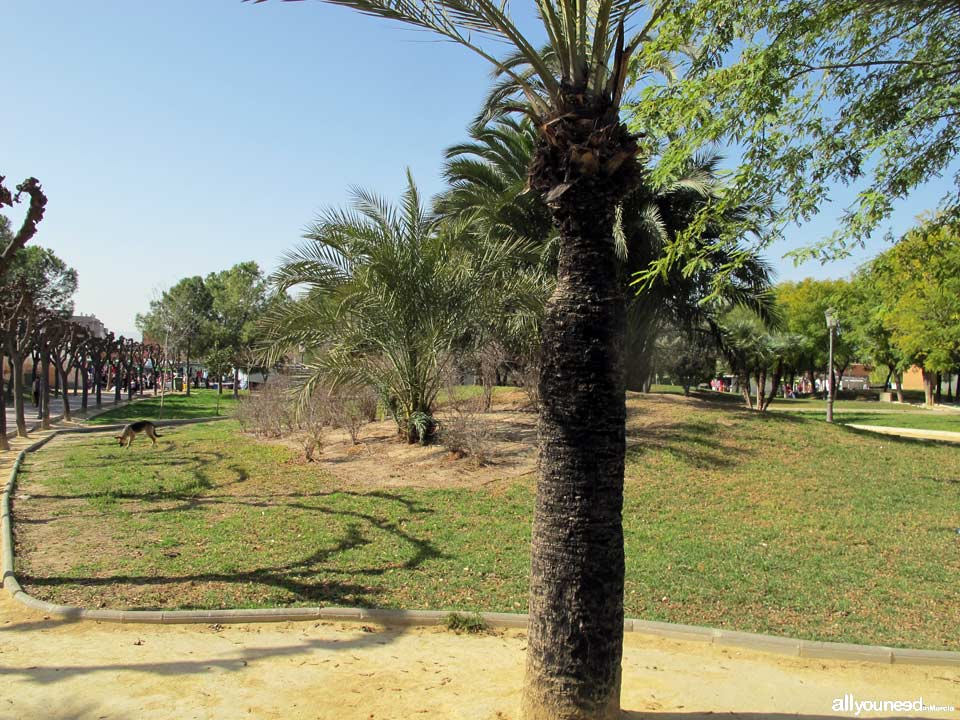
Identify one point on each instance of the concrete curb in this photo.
(399, 618)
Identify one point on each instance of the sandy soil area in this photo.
(55, 670)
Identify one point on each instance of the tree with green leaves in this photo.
(803, 306)
(219, 361)
(181, 320)
(815, 94)
(49, 280)
(919, 282)
(239, 298)
(390, 296)
(865, 310)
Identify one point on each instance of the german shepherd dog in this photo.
(134, 429)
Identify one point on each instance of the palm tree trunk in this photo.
(575, 640)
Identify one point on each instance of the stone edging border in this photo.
(723, 638)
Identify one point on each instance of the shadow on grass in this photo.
(296, 577)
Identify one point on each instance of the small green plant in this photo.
(421, 427)
(473, 623)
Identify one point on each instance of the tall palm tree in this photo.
(487, 180)
(583, 164)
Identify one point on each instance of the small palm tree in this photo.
(390, 295)
(583, 164)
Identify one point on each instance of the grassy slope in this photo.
(200, 403)
(776, 524)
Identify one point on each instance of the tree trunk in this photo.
(777, 375)
(236, 382)
(117, 386)
(76, 378)
(575, 639)
(928, 390)
(85, 391)
(187, 376)
(62, 374)
(939, 396)
(45, 392)
(18, 396)
(744, 382)
(4, 443)
(97, 380)
(9, 389)
(898, 381)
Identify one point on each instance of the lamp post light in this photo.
(832, 322)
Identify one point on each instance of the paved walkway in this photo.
(56, 410)
(331, 671)
(941, 435)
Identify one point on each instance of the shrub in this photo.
(462, 431)
(473, 623)
(269, 412)
(352, 410)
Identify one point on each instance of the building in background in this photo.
(93, 325)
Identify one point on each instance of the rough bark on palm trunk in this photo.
(575, 638)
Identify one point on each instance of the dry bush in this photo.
(490, 358)
(351, 409)
(313, 417)
(529, 376)
(463, 431)
(269, 412)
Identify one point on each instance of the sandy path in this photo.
(50, 669)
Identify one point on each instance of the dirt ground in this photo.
(55, 670)
(380, 461)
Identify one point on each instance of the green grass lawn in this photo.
(200, 403)
(778, 523)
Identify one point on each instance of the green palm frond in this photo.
(589, 47)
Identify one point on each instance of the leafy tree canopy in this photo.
(919, 282)
(50, 281)
(815, 94)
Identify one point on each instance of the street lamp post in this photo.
(832, 322)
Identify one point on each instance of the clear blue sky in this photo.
(175, 138)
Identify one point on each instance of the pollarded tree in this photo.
(11, 243)
(98, 353)
(68, 346)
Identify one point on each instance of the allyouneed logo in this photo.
(848, 703)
